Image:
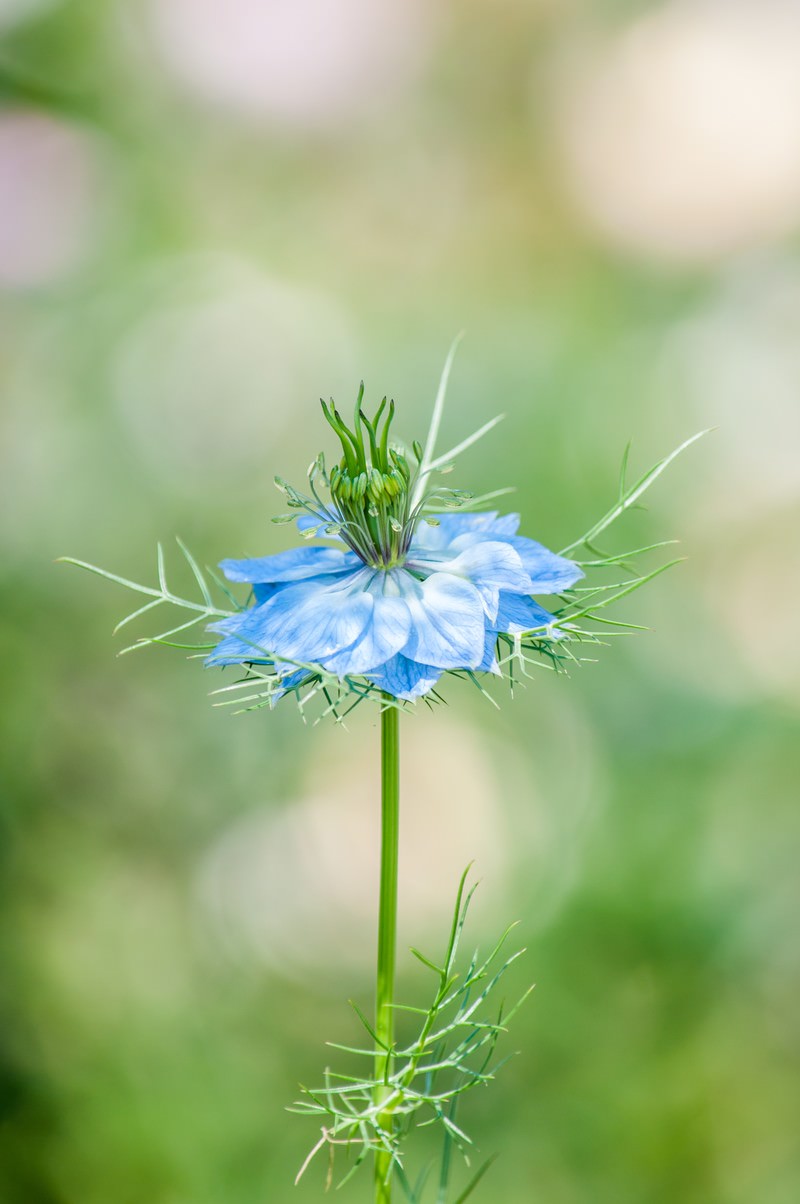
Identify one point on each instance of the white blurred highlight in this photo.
(218, 363)
(297, 887)
(51, 182)
(681, 137)
(12, 12)
(306, 63)
(760, 578)
(736, 364)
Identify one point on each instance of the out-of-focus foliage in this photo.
(212, 214)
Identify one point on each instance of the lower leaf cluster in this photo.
(423, 1081)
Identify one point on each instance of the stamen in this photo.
(373, 488)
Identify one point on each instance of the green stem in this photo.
(387, 930)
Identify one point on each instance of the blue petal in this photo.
(487, 523)
(488, 564)
(516, 614)
(304, 622)
(549, 573)
(386, 632)
(308, 521)
(404, 678)
(489, 663)
(263, 591)
(295, 564)
(447, 627)
(231, 651)
(288, 682)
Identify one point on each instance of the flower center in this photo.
(370, 487)
(377, 490)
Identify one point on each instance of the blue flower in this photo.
(409, 597)
(461, 584)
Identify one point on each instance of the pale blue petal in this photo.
(549, 573)
(232, 651)
(447, 628)
(404, 678)
(501, 525)
(288, 683)
(263, 591)
(489, 663)
(386, 632)
(295, 564)
(486, 523)
(488, 564)
(516, 614)
(306, 621)
(306, 521)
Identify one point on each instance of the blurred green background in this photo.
(215, 211)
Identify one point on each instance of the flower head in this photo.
(412, 594)
(413, 582)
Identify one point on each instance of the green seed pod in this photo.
(376, 484)
(401, 464)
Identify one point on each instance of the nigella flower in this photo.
(411, 595)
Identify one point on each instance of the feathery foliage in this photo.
(451, 1054)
